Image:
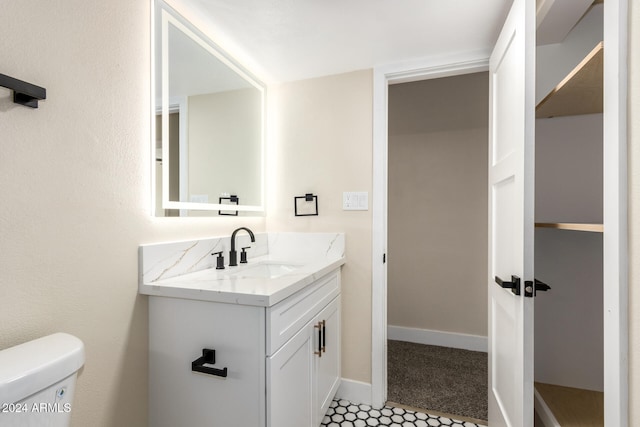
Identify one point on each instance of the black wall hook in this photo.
(24, 93)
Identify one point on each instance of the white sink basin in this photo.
(267, 270)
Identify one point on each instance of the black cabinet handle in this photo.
(320, 348)
(514, 284)
(24, 93)
(208, 357)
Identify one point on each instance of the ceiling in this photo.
(286, 40)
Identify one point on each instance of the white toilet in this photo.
(37, 381)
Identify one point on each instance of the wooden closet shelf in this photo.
(594, 228)
(572, 407)
(580, 92)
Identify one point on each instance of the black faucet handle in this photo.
(243, 255)
(219, 260)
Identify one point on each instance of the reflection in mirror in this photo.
(209, 125)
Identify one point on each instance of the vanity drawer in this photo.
(287, 317)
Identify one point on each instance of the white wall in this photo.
(569, 329)
(569, 169)
(568, 318)
(75, 188)
(437, 260)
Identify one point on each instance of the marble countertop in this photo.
(230, 286)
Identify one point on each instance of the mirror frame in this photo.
(170, 15)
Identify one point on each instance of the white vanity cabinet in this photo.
(304, 374)
(282, 362)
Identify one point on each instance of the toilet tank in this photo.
(37, 381)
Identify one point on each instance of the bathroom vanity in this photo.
(253, 345)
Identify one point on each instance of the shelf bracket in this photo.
(24, 93)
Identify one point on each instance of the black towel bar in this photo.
(24, 93)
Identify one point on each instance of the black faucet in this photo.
(233, 255)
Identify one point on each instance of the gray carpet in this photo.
(441, 379)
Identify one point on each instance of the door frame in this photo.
(615, 210)
(382, 78)
(615, 259)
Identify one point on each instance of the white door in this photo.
(511, 209)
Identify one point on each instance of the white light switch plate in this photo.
(355, 201)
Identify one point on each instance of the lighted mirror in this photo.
(208, 133)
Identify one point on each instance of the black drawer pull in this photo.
(319, 327)
(208, 357)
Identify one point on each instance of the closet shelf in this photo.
(569, 406)
(580, 92)
(594, 228)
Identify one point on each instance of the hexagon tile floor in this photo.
(343, 413)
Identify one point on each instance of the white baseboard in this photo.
(543, 411)
(354, 391)
(443, 339)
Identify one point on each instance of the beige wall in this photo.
(323, 145)
(75, 186)
(634, 212)
(438, 204)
